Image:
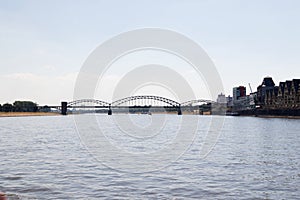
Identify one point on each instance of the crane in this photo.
(250, 87)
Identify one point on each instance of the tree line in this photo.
(19, 106)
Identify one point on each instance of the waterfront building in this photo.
(270, 97)
(229, 101)
(221, 99)
(284, 96)
(262, 90)
(244, 103)
(238, 92)
(241, 101)
(296, 93)
(283, 99)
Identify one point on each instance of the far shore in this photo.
(272, 116)
(278, 116)
(27, 114)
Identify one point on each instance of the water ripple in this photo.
(43, 158)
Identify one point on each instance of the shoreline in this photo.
(32, 114)
(272, 113)
(27, 114)
(272, 116)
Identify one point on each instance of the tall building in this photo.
(240, 99)
(238, 92)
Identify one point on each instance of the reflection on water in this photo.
(43, 158)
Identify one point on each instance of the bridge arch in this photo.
(140, 100)
(167, 101)
(91, 101)
(191, 102)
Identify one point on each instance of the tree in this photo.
(0, 108)
(25, 106)
(7, 107)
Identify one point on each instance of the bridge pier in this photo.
(64, 108)
(179, 111)
(109, 110)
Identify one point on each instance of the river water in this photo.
(57, 158)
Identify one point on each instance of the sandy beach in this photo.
(25, 114)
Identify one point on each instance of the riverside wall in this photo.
(270, 112)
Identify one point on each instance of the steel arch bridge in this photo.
(145, 99)
(132, 101)
(191, 102)
(99, 103)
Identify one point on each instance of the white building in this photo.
(221, 99)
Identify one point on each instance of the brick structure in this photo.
(284, 96)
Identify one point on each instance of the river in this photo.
(67, 157)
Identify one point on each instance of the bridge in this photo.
(142, 103)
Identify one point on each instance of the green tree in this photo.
(25, 106)
(7, 107)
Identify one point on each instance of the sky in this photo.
(43, 44)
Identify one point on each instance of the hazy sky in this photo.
(43, 44)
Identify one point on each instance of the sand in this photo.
(26, 114)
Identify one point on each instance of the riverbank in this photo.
(26, 114)
(277, 116)
(272, 113)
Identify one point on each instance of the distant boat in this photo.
(146, 113)
(232, 114)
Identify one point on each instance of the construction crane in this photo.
(250, 87)
(252, 98)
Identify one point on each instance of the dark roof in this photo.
(268, 82)
(296, 83)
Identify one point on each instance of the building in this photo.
(242, 101)
(229, 101)
(266, 86)
(238, 92)
(221, 99)
(283, 99)
(284, 96)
